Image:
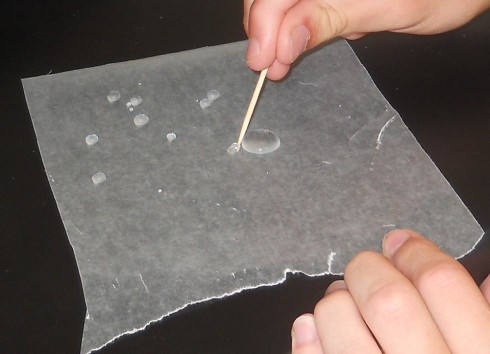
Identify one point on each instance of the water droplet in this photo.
(141, 119)
(136, 100)
(213, 94)
(113, 96)
(261, 141)
(99, 177)
(205, 103)
(171, 137)
(91, 139)
(233, 148)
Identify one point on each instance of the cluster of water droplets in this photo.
(211, 96)
(258, 141)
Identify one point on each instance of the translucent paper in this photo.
(184, 221)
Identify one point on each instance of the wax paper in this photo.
(182, 221)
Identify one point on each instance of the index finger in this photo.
(263, 19)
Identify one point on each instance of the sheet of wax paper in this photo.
(183, 221)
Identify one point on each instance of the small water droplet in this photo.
(113, 96)
(233, 148)
(171, 137)
(205, 103)
(136, 100)
(213, 94)
(91, 139)
(261, 141)
(99, 177)
(141, 119)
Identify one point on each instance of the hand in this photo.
(413, 299)
(280, 30)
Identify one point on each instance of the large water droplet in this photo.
(261, 141)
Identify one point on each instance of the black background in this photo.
(439, 84)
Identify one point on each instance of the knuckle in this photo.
(331, 302)
(330, 21)
(390, 300)
(441, 275)
(359, 260)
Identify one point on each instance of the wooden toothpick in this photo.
(251, 106)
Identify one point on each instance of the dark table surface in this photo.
(440, 85)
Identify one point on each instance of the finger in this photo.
(391, 306)
(340, 326)
(264, 21)
(312, 22)
(304, 336)
(336, 285)
(306, 25)
(246, 13)
(456, 303)
(354, 36)
(277, 70)
(485, 288)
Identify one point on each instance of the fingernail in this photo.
(304, 331)
(336, 285)
(253, 49)
(298, 41)
(393, 241)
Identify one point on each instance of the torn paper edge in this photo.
(251, 287)
(225, 295)
(474, 246)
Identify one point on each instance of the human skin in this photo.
(413, 298)
(281, 30)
